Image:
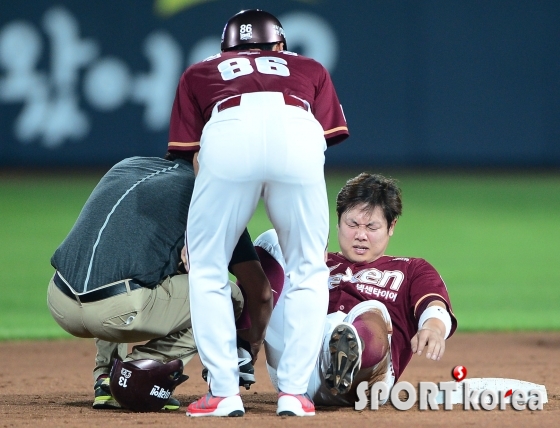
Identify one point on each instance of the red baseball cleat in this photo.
(216, 406)
(295, 405)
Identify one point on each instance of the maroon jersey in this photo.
(404, 285)
(227, 74)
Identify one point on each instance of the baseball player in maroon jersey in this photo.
(382, 309)
(271, 113)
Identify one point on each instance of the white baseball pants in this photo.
(260, 148)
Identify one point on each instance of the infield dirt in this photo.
(48, 384)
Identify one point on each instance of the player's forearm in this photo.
(258, 299)
(436, 318)
(259, 307)
(260, 316)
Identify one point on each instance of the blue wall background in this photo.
(423, 83)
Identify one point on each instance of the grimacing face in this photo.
(363, 235)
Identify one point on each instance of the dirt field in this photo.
(48, 384)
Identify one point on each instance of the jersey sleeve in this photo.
(186, 123)
(328, 111)
(427, 286)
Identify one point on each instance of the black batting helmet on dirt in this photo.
(252, 26)
(145, 385)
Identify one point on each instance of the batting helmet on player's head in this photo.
(251, 27)
(145, 385)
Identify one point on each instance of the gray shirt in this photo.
(132, 225)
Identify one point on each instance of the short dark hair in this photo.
(371, 190)
(247, 46)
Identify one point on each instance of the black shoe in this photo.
(246, 369)
(345, 347)
(103, 398)
(172, 404)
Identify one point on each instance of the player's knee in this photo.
(269, 236)
(372, 329)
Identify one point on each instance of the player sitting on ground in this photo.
(382, 309)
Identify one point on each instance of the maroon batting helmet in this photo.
(145, 385)
(252, 26)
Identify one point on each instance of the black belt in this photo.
(236, 101)
(95, 295)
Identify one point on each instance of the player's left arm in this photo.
(434, 325)
(432, 311)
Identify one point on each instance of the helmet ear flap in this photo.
(145, 385)
(176, 375)
(181, 379)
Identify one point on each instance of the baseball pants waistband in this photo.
(235, 101)
(96, 295)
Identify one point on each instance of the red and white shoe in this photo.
(216, 406)
(295, 405)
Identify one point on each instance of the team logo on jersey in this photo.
(246, 32)
(372, 276)
(382, 284)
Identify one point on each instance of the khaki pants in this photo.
(160, 316)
